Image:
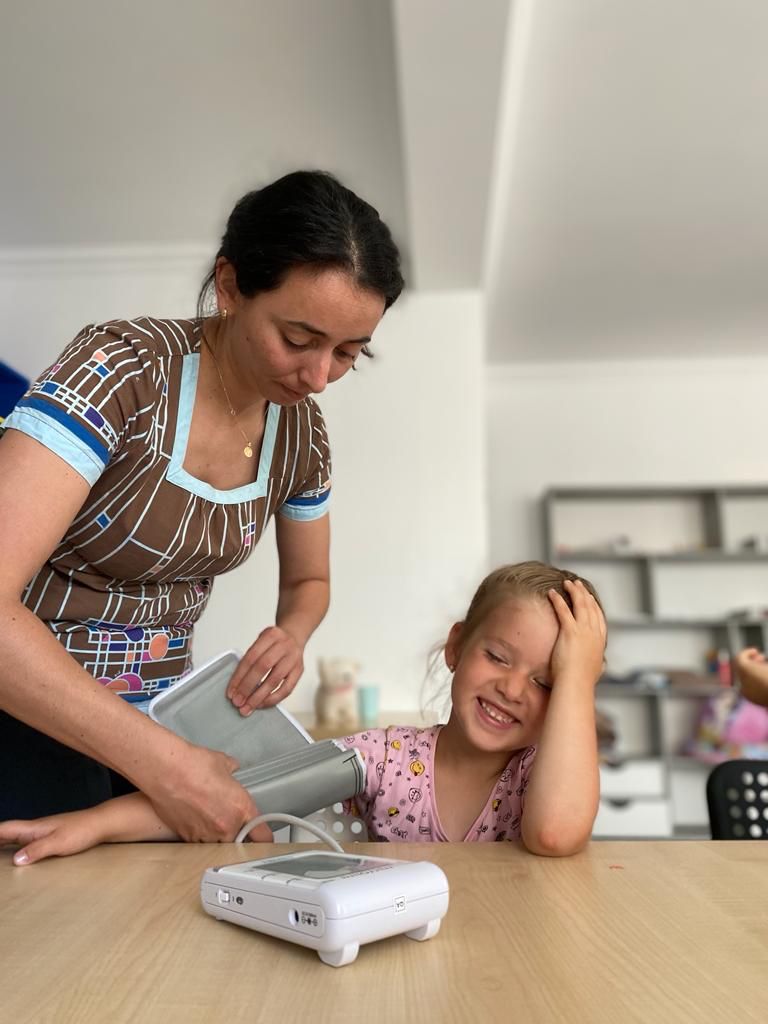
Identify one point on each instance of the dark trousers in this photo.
(40, 776)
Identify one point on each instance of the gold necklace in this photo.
(248, 449)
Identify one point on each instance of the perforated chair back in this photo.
(345, 828)
(737, 798)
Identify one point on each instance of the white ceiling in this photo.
(143, 121)
(631, 199)
(599, 167)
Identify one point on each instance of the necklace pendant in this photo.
(248, 452)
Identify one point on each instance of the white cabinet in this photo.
(633, 779)
(643, 817)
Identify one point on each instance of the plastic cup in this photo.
(368, 706)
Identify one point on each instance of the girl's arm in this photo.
(42, 685)
(278, 652)
(564, 789)
(752, 670)
(125, 819)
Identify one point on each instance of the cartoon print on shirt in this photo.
(399, 802)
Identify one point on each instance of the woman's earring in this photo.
(224, 314)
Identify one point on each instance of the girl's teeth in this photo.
(496, 715)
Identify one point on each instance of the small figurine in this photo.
(336, 696)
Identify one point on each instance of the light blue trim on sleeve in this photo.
(305, 513)
(58, 440)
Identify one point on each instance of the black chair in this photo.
(737, 798)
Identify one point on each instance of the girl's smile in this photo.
(494, 717)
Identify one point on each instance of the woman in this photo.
(147, 460)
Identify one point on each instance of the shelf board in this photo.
(647, 622)
(626, 690)
(687, 763)
(665, 557)
(607, 690)
(619, 493)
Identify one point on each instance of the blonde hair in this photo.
(523, 581)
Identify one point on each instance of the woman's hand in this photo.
(200, 801)
(268, 671)
(580, 646)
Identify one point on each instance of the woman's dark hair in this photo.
(307, 218)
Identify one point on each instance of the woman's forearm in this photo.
(564, 789)
(301, 607)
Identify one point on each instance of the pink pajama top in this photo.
(398, 803)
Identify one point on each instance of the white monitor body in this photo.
(330, 902)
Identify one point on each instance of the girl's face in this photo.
(501, 681)
(291, 342)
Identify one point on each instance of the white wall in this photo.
(409, 524)
(142, 121)
(629, 423)
(47, 295)
(655, 422)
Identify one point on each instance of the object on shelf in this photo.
(368, 706)
(336, 695)
(757, 613)
(648, 678)
(724, 669)
(621, 545)
(680, 678)
(757, 542)
(729, 727)
(607, 738)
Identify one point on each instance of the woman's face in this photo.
(293, 341)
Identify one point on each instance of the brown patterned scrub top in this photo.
(134, 571)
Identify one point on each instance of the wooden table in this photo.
(625, 932)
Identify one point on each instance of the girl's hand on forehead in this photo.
(580, 646)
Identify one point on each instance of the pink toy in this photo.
(730, 727)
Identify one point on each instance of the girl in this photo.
(517, 758)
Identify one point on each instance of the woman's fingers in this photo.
(265, 669)
(287, 664)
(251, 669)
(282, 690)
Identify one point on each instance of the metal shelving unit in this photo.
(656, 546)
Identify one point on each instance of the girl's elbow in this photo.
(553, 842)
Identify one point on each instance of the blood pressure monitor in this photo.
(330, 902)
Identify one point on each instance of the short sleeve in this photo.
(526, 762)
(79, 408)
(372, 745)
(311, 490)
